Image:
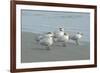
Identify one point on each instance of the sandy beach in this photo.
(31, 51)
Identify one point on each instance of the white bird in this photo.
(59, 33)
(76, 37)
(64, 39)
(46, 40)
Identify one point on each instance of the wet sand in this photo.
(31, 51)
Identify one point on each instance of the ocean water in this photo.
(37, 21)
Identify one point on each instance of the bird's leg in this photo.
(64, 44)
(48, 47)
(77, 42)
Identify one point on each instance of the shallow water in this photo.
(44, 21)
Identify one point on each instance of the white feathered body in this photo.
(76, 37)
(58, 34)
(46, 41)
(63, 38)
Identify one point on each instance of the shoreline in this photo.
(68, 32)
